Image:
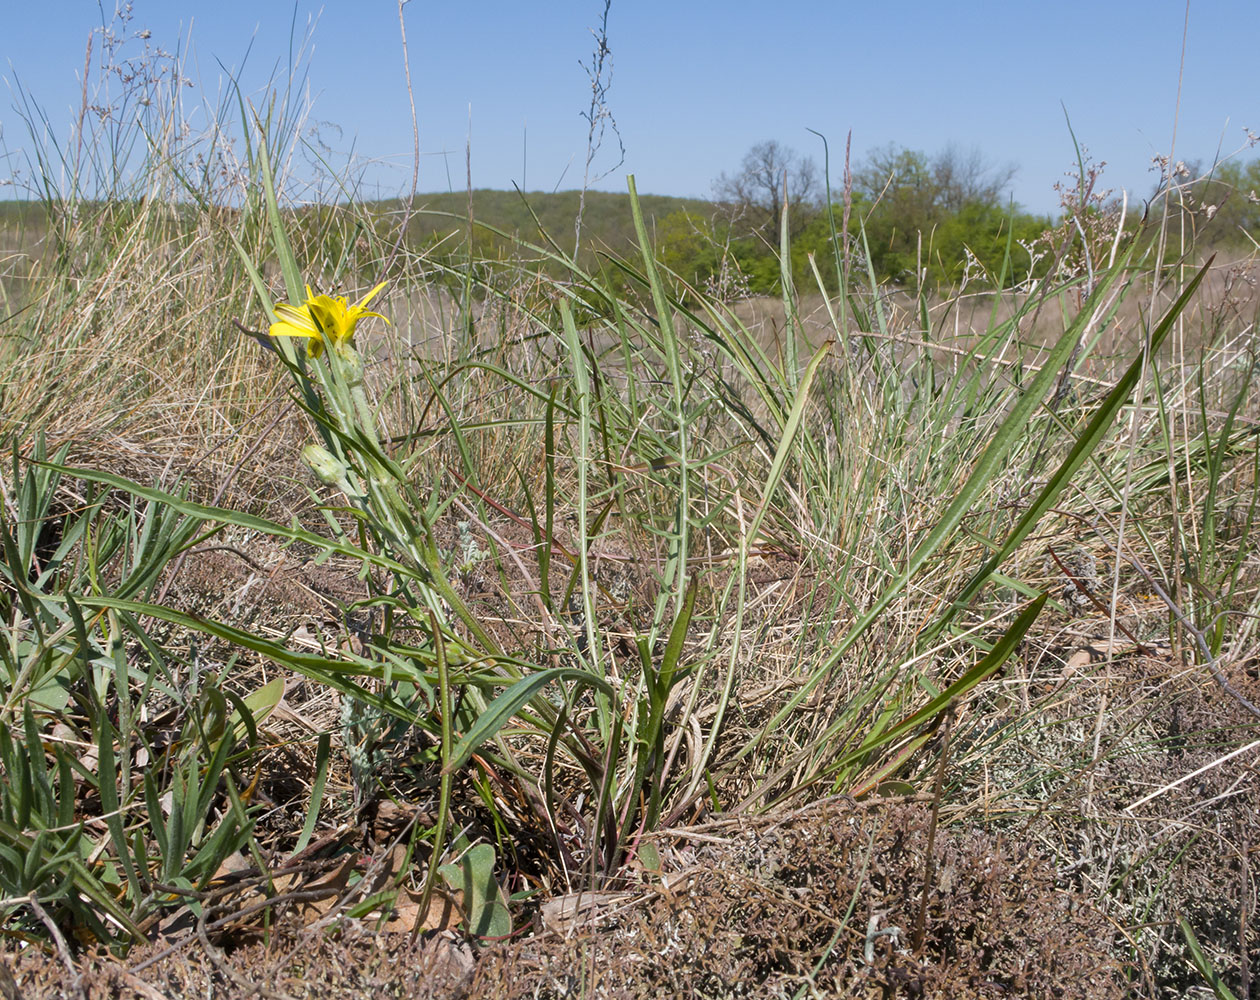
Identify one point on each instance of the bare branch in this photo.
(755, 193)
(598, 117)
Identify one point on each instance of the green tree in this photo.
(1225, 204)
(689, 245)
(935, 217)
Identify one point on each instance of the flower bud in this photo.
(351, 364)
(325, 465)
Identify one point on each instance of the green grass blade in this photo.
(987, 466)
(790, 427)
(323, 754)
(293, 282)
(111, 806)
(1202, 963)
(514, 698)
(1086, 445)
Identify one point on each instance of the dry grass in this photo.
(1098, 787)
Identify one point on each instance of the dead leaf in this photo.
(445, 912)
(449, 956)
(334, 884)
(232, 864)
(578, 909)
(391, 820)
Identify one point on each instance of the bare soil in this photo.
(826, 899)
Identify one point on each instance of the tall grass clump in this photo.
(612, 557)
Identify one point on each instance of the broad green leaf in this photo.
(484, 904)
(261, 703)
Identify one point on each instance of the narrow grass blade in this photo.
(987, 466)
(323, 753)
(1085, 446)
(987, 666)
(786, 439)
(284, 251)
(1202, 963)
(674, 646)
(111, 806)
(500, 711)
(675, 575)
(336, 674)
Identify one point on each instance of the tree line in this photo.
(912, 218)
(918, 220)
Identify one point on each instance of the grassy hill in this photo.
(606, 222)
(606, 225)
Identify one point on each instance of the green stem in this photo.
(444, 790)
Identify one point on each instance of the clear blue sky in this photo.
(694, 84)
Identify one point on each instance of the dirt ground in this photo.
(839, 898)
(823, 901)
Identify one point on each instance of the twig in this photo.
(220, 962)
(557, 547)
(415, 143)
(297, 896)
(929, 864)
(140, 986)
(63, 950)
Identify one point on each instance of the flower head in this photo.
(323, 319)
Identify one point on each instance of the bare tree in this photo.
(756, 193)
(964, 177)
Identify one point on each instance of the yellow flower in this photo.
(323, 319)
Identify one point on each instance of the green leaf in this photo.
(988, 466)
(323, 753)
(284, 251)
(51, 691)
(1084, 446)
(512, 700)
(1201, 962)
(1000, 653)
(485, 906)
(790, 428)
(261, 703)
(674, 646)
(294, 532)
(111, 805)
(336, 674)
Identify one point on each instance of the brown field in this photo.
(798, 736)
